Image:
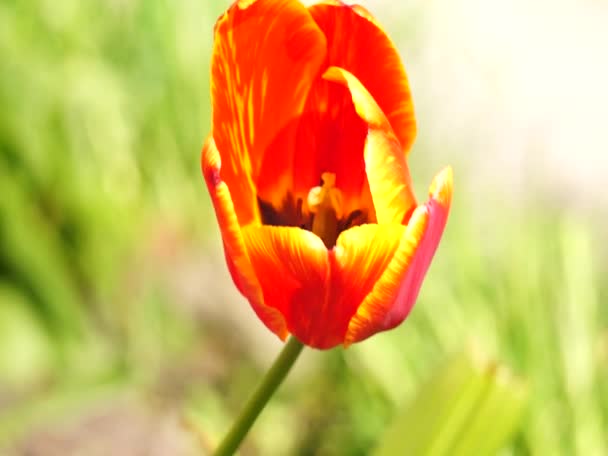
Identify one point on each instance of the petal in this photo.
(292, 267)
(357, 43)
(387, 171)
(234, 246)
(317, 291)
(266, 54)
(358, 260)
(330, 138)
(396, 290)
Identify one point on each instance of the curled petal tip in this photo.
(364, 13)
(244, 4)
(365, 105)
(211, 162)
(442, 187)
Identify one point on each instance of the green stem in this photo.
(265, 390)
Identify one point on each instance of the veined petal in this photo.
(235, 251)
(396, 290)
(292, 267)
(358, 260)
(387, 171)
(357, 43)
(265, 55)
(318, 291)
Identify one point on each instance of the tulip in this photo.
(306, 167)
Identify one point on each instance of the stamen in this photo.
(325, 202)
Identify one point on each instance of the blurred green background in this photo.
(120, 331)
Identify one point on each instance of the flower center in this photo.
(323, 212)
(325, 203)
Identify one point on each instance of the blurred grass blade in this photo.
(467, 407)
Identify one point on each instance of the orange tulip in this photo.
(306, 167)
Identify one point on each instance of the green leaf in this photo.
(469, 406)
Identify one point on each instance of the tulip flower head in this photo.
(306, 168)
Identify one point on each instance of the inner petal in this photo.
(386, 169)
(330, 138)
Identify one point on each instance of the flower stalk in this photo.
(260, 397)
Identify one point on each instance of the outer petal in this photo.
(266, 54)
(293, 270)
(318, 291)
(237, 257)
(387, 171)
(357, 43)
(358, 260)
(395, 292)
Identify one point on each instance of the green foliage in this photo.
(526, 289)
(469, 406)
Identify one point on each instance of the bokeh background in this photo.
(120, 331)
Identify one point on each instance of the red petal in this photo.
(237, 258)
(357, 43)
(317, 291)
(385, 166)
(266, 54)
(292, 267)
(395, 292)
(359, 259)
